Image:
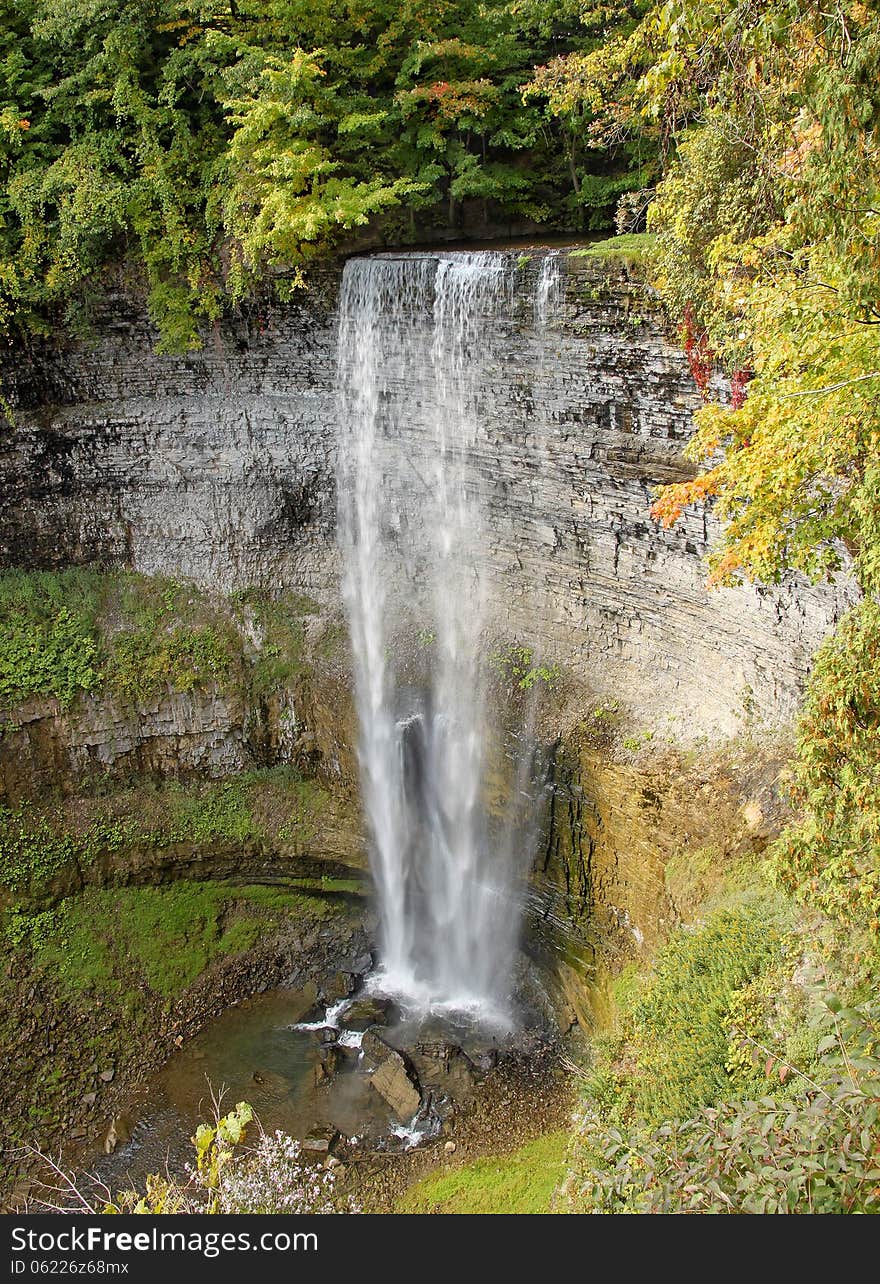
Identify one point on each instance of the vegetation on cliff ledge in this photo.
(82, 630)
(214, 144)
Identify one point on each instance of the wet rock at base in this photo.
(395, 1082)
(339, 986)
(367, 1011)
(446, 1067)
(321, 1140)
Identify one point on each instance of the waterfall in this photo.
(415, 349)
(549, 289)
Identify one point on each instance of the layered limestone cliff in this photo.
(220, 466)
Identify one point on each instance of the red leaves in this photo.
(738, 381)
(699, 354)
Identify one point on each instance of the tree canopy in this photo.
(217, 142)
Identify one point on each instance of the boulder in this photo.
(374, 1048)
(446, 1067)
(321, 1140)
(367, 1011)
(339, 986)
(394, 1082)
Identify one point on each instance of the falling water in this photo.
(414, 354)
(549, 289)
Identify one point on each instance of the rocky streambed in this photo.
(371, 1090)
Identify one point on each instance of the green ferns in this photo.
(734, 1080)
(671, 1054)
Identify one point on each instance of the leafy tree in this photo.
(215, 142)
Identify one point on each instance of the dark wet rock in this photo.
(362, 964)
(348, 1056)
(363, 1013)
(446, 1067)
(396, 1083)
(321, 1140)
(326, 1034)
(339, 986)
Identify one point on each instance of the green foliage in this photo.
(669, 1054)
(281, 622)
(163, 634)
(521, 1182)
(814, 1151)
(767, 251)
(136, 636)
(515, 665)
(678, 1022)
(48, 642)
(208, 812)
(33, 849)
(219, 145)
(215, 1147)
(831, 857)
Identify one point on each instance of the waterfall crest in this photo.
(414, 348)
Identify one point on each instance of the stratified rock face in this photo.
(216, 466)
(220, 466)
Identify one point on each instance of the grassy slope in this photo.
(521, 1182)
(633, 249)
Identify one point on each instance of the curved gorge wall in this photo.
(219, 466)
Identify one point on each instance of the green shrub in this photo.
(830, 859)
(815, 1151)
(48, 636)
(516, 666)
